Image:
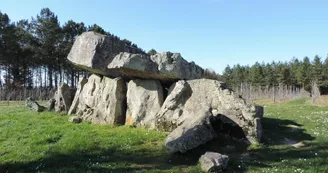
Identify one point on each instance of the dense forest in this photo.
(33, 52)
(296, 73)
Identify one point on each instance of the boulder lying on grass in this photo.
(207, 105)
(213, 162)
(190, 134)
(33, 105)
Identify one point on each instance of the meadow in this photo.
(295, 139)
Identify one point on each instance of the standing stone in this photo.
(102, 100)
(172, 108)
(33, 105)
(144, 100)
(63, 98)
(51, 104)
(213, 162)
(76, 101)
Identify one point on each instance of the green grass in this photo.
(47, 142)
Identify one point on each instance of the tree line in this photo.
(33, 52)
(295, 73)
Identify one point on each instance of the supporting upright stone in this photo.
(102, 100)
(144, 100)
(76, 101)
(64, 98)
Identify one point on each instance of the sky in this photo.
(212, 33)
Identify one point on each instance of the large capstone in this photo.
(101, 54)
(172, 65)
(144, 100)
(228, 113)
(93, 52)
(102, 100)
(166, 66)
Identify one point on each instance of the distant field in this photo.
(47, 142)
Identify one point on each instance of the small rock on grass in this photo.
(213, 162)
(74, 119)
(33, 105)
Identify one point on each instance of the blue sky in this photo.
(212, 33)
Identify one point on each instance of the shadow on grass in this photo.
(110, 160)
(275, 146)
(113, 160)
(276, 131)
(272, 149)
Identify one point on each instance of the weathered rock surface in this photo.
(195, 111)
(172, 108)
(33, 105)
(74, 119)
(144, 100)
(63, 97)
(100, 54)
(213, 162)
(166, 66)
(51, 104)
(76, 101)
(102, 100)
(93, 52)
(229, 114)
(172, 65)
(135, 65)
(191, 134)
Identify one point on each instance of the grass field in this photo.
(295, 139)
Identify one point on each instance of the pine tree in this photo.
(152, 52)
(48, 34)
(317, 70)
(256, 75)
